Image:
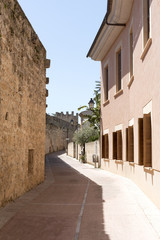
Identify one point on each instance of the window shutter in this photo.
(131, 53)
(119, 145)
(130, 144)
(114, 145)
(126, 144)
(140, 140)
(147, 140)
(119, 70)
(106, 146)
(106, 83)
(103, 146)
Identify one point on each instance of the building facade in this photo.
(127, 44)
(23, 94)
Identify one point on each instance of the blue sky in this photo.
(67, 29)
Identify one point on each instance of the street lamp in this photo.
(91, 103)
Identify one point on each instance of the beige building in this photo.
(22, 103)
(128, 46)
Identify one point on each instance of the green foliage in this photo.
(94, 119)
(86, 134)
(83, 158)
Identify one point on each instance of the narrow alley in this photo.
(79, 202)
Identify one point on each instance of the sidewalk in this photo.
(128, 213)
(79, 202)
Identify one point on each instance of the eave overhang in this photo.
(118, 11)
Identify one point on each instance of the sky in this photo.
(67, 29)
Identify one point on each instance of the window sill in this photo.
(105, 159)
(149, 170)
(106, 103)
(146, 48)
(132, 164)
(119, 162)
(120, 92)
(130, 81)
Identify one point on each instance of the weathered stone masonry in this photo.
(22, 103)
(58, 129)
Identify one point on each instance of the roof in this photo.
(86, 113)
(118, 11)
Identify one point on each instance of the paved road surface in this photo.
(78, 202)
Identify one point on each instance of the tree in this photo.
(86, 134)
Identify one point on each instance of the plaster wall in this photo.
(131, 104)
(90, 149)
(74, 150)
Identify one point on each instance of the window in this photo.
(145, 140)
(118, 71)
(117, 145)
(131, 53)
(106, 83)
(30, 161)
(146, 21)
(105, 146)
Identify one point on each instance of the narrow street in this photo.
(79, 202)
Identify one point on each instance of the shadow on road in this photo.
(67, 206)
(74, 188)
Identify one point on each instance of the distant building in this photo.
(128, 45)
(59, 130)
(23, 94)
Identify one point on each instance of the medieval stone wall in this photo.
(59, 132)
(68, 117)
(22, 103)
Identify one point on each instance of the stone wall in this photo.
(68, 117)
(57, 133)
(22, 103)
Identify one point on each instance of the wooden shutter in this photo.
(131, 53)
(148, 18)
(147, 138)
(140, 140)
(114, 145)
(126, 144)
(106, 84)
(103, 146)
(130, 144)
(119, 70)
(106, 145)
(119, 145)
